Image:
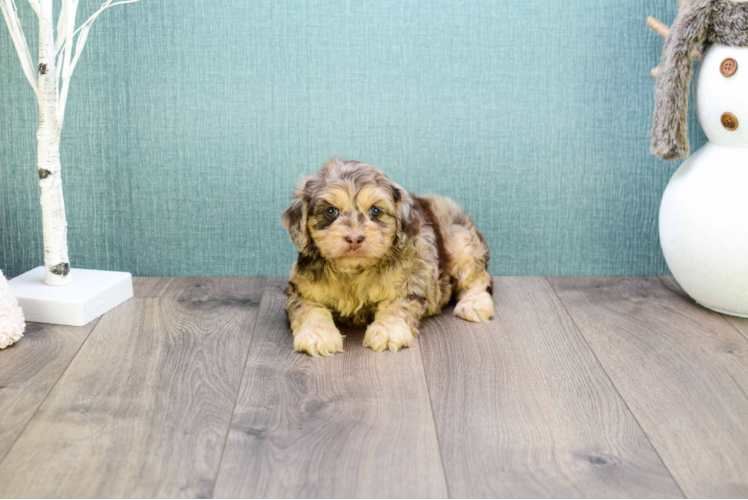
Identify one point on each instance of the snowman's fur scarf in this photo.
(701, 21)
(12, 323)
(416, 253)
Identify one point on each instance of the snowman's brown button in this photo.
(728, 67)
(729, 121)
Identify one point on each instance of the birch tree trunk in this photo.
(54, 223)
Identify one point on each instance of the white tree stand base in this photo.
(91, 294)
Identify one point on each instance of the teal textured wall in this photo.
(189, 122)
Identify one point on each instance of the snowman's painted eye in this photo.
(331, 212)
(376, 212)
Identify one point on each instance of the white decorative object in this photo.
(12, 324)
(704, 211)
(50, 80)
(91, 294)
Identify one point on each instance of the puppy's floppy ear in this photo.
(294, 220)
(409, 220)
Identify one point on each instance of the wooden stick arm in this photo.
(661, 29)
(658, 27)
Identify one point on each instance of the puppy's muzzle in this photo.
(354, 240)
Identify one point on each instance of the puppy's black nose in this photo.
(354, 239)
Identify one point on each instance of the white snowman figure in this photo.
(704, 211)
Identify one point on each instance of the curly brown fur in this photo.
(700, 21)
(370, 253)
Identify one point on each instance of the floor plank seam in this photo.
(615, 388)
(744, 335)
(239, 389)
(98, 320)
(433, 417)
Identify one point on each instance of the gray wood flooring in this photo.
(580, 387)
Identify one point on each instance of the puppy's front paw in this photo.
(318, 338)
(390, 333)
(476, 307)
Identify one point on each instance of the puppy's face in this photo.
(350, 214)
(353, 228)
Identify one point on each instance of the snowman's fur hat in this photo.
(701, 21)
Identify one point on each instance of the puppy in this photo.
(372, 254)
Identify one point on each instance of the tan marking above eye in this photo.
(337, 197)
(378, 204)
(370, 196)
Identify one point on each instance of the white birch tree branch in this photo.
(58, 73)
(65, 63)
(61, 33)
(85, 27)
(103, 7)
(35, 5)
(60, 45)
(10, 14)
(68, 64)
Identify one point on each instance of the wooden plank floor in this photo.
(143, 409)
(581, 387)
(354, 425)
(27, 376)
(523, 408)
(682, 369)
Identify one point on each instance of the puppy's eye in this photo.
(376, 212)
(331, 212)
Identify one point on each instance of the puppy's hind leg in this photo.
(475, 303)
(473, 289)
(467, 263)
